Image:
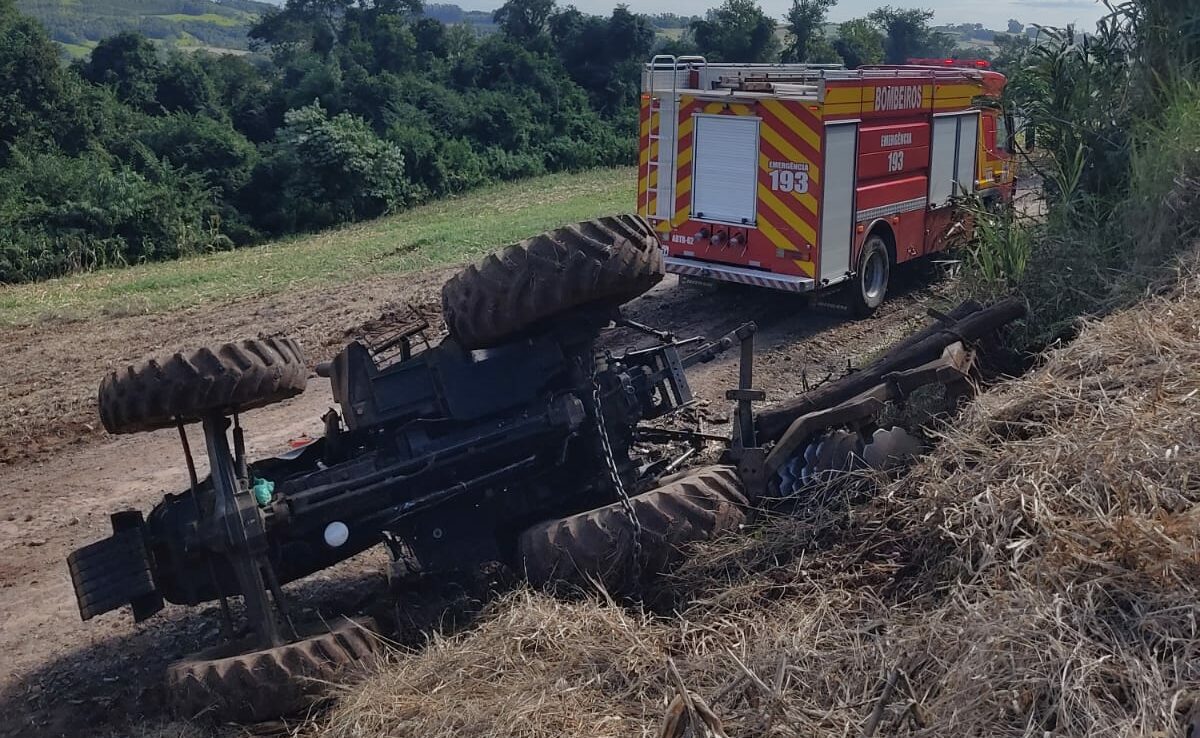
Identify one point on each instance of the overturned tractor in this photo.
(515, 440)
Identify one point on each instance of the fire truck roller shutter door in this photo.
(952, 156)
(966, 177)
(725, 169)
(837, 201)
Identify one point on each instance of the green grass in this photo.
(220, 20)
(439, 233)
(77, 51)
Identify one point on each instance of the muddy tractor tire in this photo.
(230, 683)
(604, 262)
(230, 377)
(598, 545)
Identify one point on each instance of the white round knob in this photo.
(336, 534)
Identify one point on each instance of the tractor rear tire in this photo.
(230, 377)
(598, 545)
(604, 262)
(230, 683)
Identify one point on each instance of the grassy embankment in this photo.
(438, 233)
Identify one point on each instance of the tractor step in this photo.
(115, 571)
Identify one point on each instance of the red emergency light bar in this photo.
(969, 63)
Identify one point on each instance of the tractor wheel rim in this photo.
(874, 276)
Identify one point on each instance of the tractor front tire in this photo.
(231, 683)
(870, 284)
(598, 544)
(604, 262)
(227, 378)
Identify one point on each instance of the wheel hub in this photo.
(874, 280)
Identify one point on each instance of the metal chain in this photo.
(615, 476)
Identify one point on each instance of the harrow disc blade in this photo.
(891, 448)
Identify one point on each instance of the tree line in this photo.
(350, 110)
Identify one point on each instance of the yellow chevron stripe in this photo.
(791, 152)
(789, 216)
(685, 127)
(684, 158)
(809, 268)
(650, 124)
(650, 152)
(774, 236)
(807, 200)
(779, 110)
(663, 227)
(680, 217)
(684, 187)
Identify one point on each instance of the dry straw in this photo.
(1036, 575)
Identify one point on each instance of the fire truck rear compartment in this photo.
(776, 175)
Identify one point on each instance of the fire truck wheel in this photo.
(606, 262)
(230, 377)
(231, 683)
(598, 545)
(871, 281)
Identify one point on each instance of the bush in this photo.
(1119, 126)
(212, 149)
(66, 213)
(334, 170)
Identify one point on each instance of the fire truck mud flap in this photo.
(737, 275)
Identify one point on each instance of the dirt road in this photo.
(60, 477)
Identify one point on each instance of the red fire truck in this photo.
(799, 177)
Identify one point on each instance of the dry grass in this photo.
(1036, 575)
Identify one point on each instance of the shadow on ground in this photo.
(102, 688)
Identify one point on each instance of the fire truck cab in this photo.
(800, 177)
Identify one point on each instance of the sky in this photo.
(992, 14)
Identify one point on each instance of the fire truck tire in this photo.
(605, 262)
(598, 544)
(231, 683)
(870, 282)
(230, 377)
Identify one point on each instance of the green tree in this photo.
(333, 170)
(129, 63)
(184, 85)
(524, 20)
(905, 31)
(212, 149)
(805, 24)
(604, 55)
(859, 42)
(737, 31)
(32, 84)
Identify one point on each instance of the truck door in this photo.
(952, 156)
(837, 202)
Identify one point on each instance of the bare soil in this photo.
(60, 476)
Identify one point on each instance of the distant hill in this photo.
(480, 20)
(79, 24)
